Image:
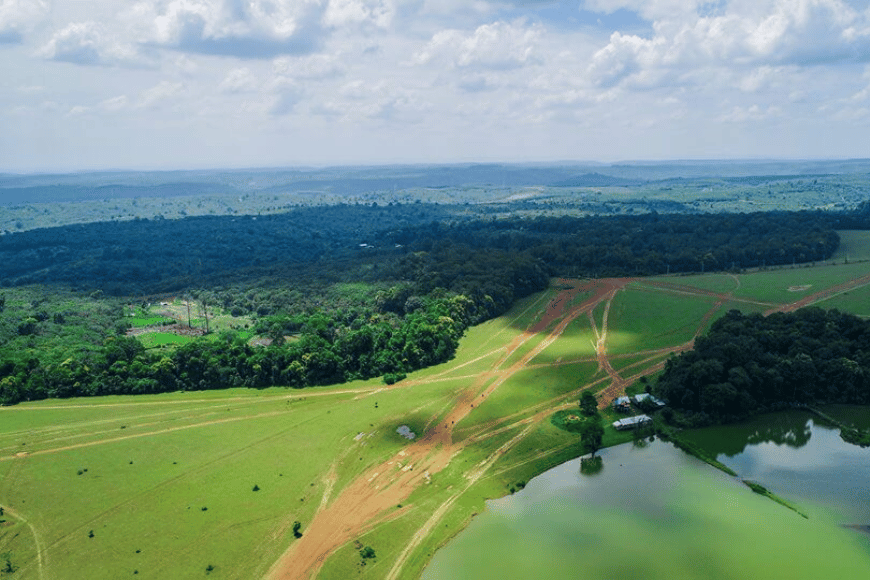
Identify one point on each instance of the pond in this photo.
(653, 512)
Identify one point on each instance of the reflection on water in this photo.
(792, 428)
(655, 513)
(797, 458)
(591, 466)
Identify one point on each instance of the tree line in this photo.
(648, 244)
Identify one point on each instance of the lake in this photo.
(654, 512)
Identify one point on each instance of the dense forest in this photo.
(646, 244)
(157, 256)
(421, 274)
(749, 364)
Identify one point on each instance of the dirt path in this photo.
(381, 488)
(146, 434)
(821, 295)
(40, 550)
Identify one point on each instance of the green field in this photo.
(642, 320)
(163, 486)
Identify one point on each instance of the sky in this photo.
(172, 84)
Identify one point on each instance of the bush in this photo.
(392, 378)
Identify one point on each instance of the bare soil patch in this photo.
(177, 328)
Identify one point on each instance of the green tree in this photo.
(591, 435)
(588, 404)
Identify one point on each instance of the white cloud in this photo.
(648, 9)
(240, 28)
(753, 113)
(17, 17)
(317, 66)
(499, 45)
(379, 13)
(89, 43)
(158, 94)
(115, 103)
(239, 80)
(762, 33)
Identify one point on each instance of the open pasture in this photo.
(646, 320)
(185, 485)
(855, 300)
(786, 284)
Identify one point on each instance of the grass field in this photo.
(163, 486)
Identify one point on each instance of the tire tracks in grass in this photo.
(822, 295)
(383, 486)
(174, 479)
(40, 550)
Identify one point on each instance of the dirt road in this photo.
(374, 495)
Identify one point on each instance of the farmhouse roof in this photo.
(631, 422)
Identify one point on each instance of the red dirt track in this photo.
(374, 495)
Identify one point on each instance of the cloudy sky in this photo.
(89, 84)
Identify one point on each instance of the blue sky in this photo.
(160, 84)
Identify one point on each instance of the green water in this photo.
(793, 456)
(654, 512)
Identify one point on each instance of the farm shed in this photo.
(647, 400)
(631, 422)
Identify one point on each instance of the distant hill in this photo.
(75, 193)
(596, 180)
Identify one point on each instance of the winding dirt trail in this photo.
(374, 495)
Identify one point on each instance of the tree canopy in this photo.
(748, 364)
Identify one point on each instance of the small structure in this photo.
(622, 404)
(406, 432)
(647, 400)
(632, 422)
